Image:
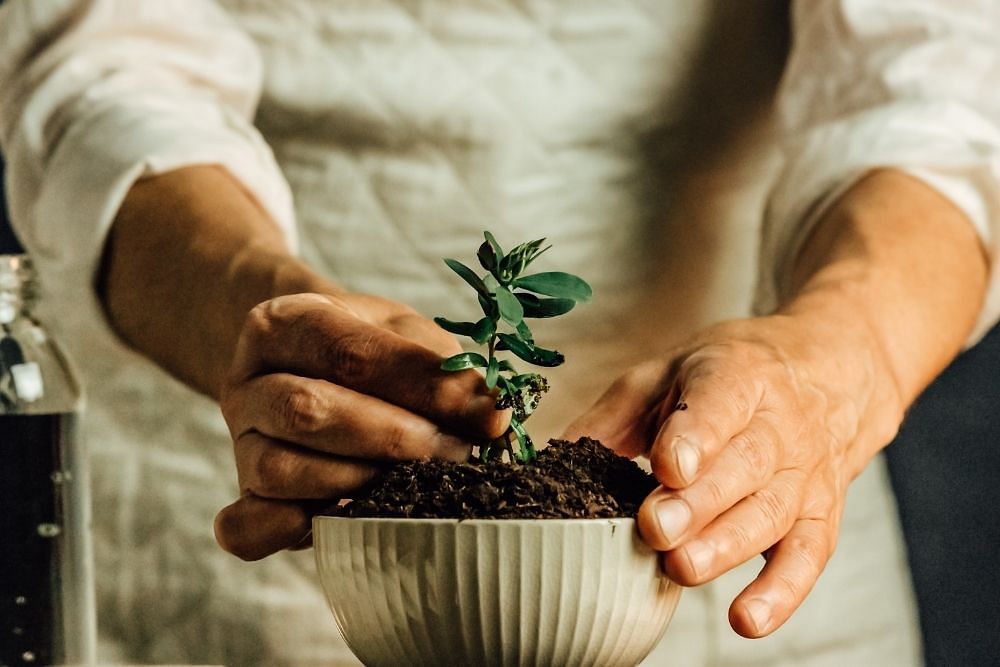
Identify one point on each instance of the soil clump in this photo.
(568, 480)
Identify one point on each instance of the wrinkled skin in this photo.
(314, 406)
(755, 433)
(322, 387)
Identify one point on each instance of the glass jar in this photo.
(47, 612)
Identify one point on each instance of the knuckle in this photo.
(740, 538)
(270, 472)
(773, 508)
(811, 551)
(791, 588)
(259, 321)
(397, 443)
(715, 493)
(755, 454)
(637, 379)
(301, 410)
(352, 358)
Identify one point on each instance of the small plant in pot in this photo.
(518, 556)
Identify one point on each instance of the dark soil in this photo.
(569, 480)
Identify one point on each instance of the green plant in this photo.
(508, 298)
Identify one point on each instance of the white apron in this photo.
(632, 134)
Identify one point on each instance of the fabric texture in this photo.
(632, 133)
(908, 84)
(953, 543)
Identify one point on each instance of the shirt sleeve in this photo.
(95, 94)
(908, 84)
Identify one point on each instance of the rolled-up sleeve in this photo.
(907, 84)
(95, 94)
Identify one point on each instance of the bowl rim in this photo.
(616, 521)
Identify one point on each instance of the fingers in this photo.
(713, 405)
(749, 528)
(624, 416)
(272, 469)
(333, 419)
(252, 527)
(314, 336)
(425, 332)
(793, 566)
(669, 517)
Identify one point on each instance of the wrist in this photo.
(901, 264)
(841, 351)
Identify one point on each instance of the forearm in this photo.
(189, 254)
(896, 267)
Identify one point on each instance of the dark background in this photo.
(8, 243)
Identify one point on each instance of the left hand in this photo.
(754, 428)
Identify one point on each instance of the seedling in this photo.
(508, 298)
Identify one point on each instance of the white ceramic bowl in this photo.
(493, 592)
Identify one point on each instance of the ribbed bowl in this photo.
(485, 592)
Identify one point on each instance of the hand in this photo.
(322, 391)
(754, 429)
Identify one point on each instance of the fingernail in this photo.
(760, 614)
(686, 458)
(674, 517)
(484, 413)
(700, 555)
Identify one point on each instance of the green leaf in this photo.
(464, 360)
(518, 259)
(478, 331)
(487, 258)
(526, 449)
(535, 307)
(557, 284)
(510, 308)
(528, 352)
(468, 275)
(490, 254)
(485, 328)
(524, 333)
(489, 306)
(506, 388)
(457, 328)
(492, 373)
(493, 242)
(507, 366)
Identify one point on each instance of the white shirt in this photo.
(633, 133)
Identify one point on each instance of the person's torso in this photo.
(630, 134)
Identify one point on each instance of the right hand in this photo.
(323, 390)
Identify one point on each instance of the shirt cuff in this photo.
(67, 214)
(951, 148)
